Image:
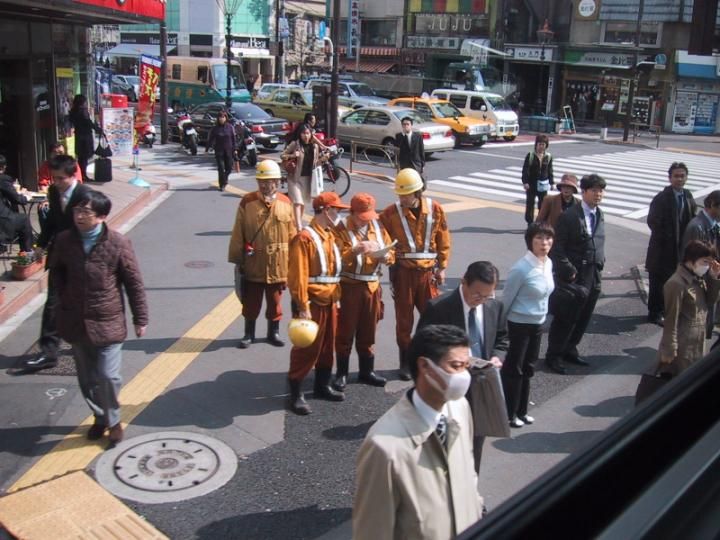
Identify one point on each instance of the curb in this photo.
(39, 285)
(640, 277)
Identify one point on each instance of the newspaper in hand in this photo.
(380, 253)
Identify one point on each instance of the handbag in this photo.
(649, 384)
(103, 149)
(543, 186)
(290, 165)
(316, 182)
(487, 401)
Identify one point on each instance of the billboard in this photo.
(145, 8)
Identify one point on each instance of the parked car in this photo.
(118, 86)
(352, 94)
(379, 125)
(267, 88)
(290, 103)
(267, 131)
(487, 106)
(465, 129)
(134, 82)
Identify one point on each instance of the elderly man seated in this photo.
(13, 224)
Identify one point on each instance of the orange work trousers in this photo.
(412, 288)
(360, 311)
(253, 296)
(320, 352)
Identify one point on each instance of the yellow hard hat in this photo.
(267, 169)
(302, 332)
(408, 181)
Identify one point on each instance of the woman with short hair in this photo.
(537, 176)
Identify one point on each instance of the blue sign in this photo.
(321, 33)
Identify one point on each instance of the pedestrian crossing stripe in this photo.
(633, 178)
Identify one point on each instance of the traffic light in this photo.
(702, 28)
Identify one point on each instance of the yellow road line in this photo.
(75, 452)
(686, 151)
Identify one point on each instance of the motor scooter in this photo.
(187, 131)
(246, 146)
(147, 137)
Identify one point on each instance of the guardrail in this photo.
(641, 129)
(381, 155)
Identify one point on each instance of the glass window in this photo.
(281, 96)
(377, 118)
(237, 81)
(355, 118)
(362, 89)
(476, 103)
(381, 32)
(424, 110)
(296, 98)
(14, 38)
(498, 103)
(416, 117)
(176, 71)
(249, 111)
(447, 110)
(458, 100)
(202, 74)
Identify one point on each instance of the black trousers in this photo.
(566, 334)
(83, 160)
(519, 366)
(530, 196)
(49, 339)
(656, 282)
(225, 166)
(19, 227)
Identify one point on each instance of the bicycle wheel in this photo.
(336, 179)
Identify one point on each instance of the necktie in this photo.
(441, 430)
(476, 343)
(592, 223)
(681, 205)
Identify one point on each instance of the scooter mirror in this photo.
(170, 110)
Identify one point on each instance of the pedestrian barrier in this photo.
(639, 129)
(380, 155)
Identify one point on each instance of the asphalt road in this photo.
(295, 477)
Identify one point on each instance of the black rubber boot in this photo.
(298, 405)
(249, 336)
(323, 390)
(404, 374)
(343, 365)
(367, 372)
(273, 334)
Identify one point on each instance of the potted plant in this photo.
(26, 264)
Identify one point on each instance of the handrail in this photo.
(389, 152)
(639, 128)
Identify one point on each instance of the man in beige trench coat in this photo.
(415, 474)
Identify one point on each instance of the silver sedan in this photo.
(379, 125)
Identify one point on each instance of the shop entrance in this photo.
(14, 98)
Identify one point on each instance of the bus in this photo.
(193, 80)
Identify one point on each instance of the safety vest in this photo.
(414, 253)
(324, 277)
(359, 257)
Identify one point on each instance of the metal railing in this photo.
(639, 129)
(379, 155)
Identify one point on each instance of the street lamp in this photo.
(228, 8)
(544, 35)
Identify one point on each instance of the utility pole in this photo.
(635, 74)
(228, 59)
(163, 85)
(334, 79)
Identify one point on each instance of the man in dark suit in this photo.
(13, 224)
(670, 212)
(411, 149)
(63, 195)
(579, 249)
(473, 307)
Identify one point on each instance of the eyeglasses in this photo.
(82, 211)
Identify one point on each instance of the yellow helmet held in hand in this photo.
(408, 181)
(267, 169)
(302, 332)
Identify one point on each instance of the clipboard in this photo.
(380, 253)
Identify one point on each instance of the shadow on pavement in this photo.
(28, 441)
(216, 404)
(546, 443)
(348, 433)
(487, 230)
(159, 345)
(301, 523)
(616, 407)
(214, 233)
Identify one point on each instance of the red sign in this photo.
(145, 8)
(149, 79)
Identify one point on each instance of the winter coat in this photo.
(222, 139)
(289, 153)
(91, 306)
(664, 249)
(533, 170)
(687, 298)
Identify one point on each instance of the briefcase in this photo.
(487, 401)
(649, 384)
(103, 169)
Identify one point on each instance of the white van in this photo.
(484, 105)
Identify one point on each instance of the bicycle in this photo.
(335, 178)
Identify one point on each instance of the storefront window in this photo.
(624, 32)
(379, 33)
(14, 38)
(41, 39)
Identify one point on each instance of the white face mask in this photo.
(456, 384)
(701, 269)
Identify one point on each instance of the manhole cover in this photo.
(166, 467)
(199, 264)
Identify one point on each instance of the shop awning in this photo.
(135, 49)
(367, 66)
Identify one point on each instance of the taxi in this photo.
(290, 103)
(474, 131)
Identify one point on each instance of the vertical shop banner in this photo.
(353, 29)
(149, 80)
(117, 123)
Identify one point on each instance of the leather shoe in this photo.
(340, 383)
(571, 358)
(115, 435)
(555, 364)
(96, 431)
(527, 419)
(656, 318)
(516, 422)
(42, 361)
(404, 374)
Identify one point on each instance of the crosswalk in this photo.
(633, 178)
